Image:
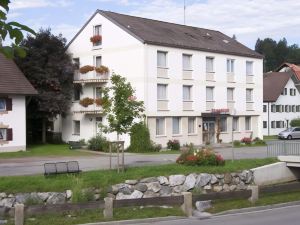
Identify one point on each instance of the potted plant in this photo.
(85, 102)
(96, 39)
(102, 69)
(86, 69)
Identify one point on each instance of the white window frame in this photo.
(235, 123)
(97, 32)
(75, 131)
(157, 120)
(164, 98)
(212, 95)
(189, 89)
(95, 60)
(179, 125)
(192, 131)
(223, 121)
(3, 134)
(249, 63)
(232, 94)
(208, 68)
(96, 92)
(159, 65)
(230, 65)
(251, 95)
(248, 127)
(188, 66)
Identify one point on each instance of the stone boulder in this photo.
(57, 198)
(189, 182)
(165, 191)
(154, 186)
(176, 180)
(7, 202)
(149, 180)
(202, 180)
(201, 206)
(163, 180)
(141, 187)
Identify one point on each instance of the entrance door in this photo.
(209, 132)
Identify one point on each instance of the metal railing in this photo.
(277, 148)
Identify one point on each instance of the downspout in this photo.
(268, 118)
(146, 84)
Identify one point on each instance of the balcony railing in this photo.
(91, 109)
(90, 77)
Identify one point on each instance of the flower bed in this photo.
(203, 157)
(86, 102)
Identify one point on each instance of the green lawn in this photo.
(104, 178)
(270, 138)
(43, 150)
(90, 216)
(266, 199)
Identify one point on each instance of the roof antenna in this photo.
(184, 7)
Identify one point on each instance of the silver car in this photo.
(290, 133)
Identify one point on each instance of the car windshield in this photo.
(289, 129)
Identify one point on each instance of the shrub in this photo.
(85, 102)
(258, 141)
(173, 144)
(246, 140)
(98, 143)
(140, 139)
(156, 147)
(295, 122)
(102, 69)
(86, 69)
(236, 143)
(203, 157)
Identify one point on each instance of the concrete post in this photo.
(187, 206)
(108, 208)
(19, 214)
(255, 193)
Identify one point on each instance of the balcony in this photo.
(162, 105)
(187, 105)
(230, 78)
(249, 79)
(187, 74)
(162, 72)
(249, 106)
(91, 109)
(210, 105)
(90, 77)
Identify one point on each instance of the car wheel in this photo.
(289, 137)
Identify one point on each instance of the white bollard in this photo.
(19, 214)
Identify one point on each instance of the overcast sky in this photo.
(247, 19)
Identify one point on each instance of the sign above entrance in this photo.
(220, 111)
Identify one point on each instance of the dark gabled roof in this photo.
(12, 80)
(294, 68)
(274, 83)
(161, 33)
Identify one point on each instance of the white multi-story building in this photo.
(13, 89)
(281, 98)
(194, 82)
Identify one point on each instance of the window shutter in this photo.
(8, 104)
(9, 134)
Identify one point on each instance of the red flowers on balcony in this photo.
(96, 39)
(98, 101)
(102, 69)
(86, 69)
(86, 102)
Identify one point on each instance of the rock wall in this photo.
(176, 184)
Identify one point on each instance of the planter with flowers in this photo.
(85, 102)
(96, 39)
(98, 101)
(86, 69)
(102, 70)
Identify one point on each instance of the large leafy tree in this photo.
(276, 53)
(13, 30)
(50, 70)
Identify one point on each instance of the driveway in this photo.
(34, 165)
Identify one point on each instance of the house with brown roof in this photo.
(198, 85)
(281, 99)
(14, 87)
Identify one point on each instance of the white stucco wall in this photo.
(282, 116)
(15, 119)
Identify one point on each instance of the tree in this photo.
(50, 70)
(120, 106)
(14, 29)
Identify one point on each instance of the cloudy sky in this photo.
(247, 19)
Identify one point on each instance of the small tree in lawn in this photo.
(120, 106)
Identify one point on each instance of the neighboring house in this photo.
(194, 82)
(14, 88)
(281, 98)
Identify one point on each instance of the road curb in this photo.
(138, 221)
(257, 208)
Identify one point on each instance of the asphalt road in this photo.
(280, 216)
(30, 166)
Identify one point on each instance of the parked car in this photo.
(290, 133)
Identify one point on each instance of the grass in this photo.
(104, 178)
(270, 137)
(43, 150)
(250, 145)
(161, 152)
(90, 216)
(266, 199)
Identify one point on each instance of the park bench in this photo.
(61, 168)
(75, 145)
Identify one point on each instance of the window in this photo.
(209, 64)
(279, 124)
(249, 68)
(286, 108)
(290, 108)
(230, 92)
(284, 92)
(223, 123)
(98, 92)
(272, 124)
(230, 65)
(265, 125)
(273, 108)
(191, 125)
(293, 108)
(187, 93)
(76, 62)
(98, 61)
(76, 96)
(162, 59)
(2, 104)
(278, 108)
(209, 93)
(98, 31)
(292, 91)
(248, 123)
(298, 108)
(160, 126)
(2, 134)
(264, 108)
(176, 125)
(76, 128)
(249, 95)
(282, 108)
(235, 123)
(187, 62)
(161, 91)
